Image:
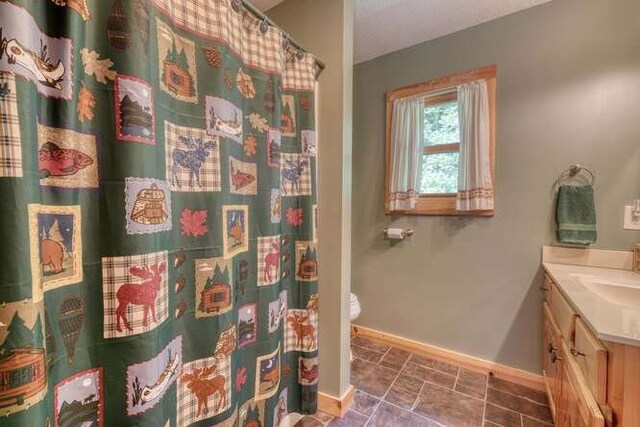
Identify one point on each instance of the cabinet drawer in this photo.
(577, 405)
(562, 312)
(591, 357)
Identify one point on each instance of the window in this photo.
(439, 169)
(441, 145)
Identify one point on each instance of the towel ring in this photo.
(574, 170)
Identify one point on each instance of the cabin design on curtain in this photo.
(157, 171)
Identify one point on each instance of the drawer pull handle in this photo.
(551, 348)
(554, 357)
(577, 352)
(544, 288)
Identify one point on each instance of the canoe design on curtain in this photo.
(158, 223)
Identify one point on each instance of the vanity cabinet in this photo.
(566, 366)
(590, 383)
(551, 360)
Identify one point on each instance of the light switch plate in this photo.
(629, 223)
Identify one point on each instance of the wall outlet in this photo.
(629, 223)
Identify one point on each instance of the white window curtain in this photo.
(406, 152)
(475, 186)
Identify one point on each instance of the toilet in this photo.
(355, 312)
(355, 307)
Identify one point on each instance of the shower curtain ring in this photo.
(264, 25)
(236, 5)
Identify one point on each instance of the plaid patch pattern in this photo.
(300, 74)
(206, 18)
(115, 273)
(267, 255)
(295, 175)
(261, 50)
(179, 177)
(216, 19)
(187, 401)
(10, 147)
(310, 341)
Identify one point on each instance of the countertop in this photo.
(610, 321)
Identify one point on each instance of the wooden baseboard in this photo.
(515, 375)
(336, 406)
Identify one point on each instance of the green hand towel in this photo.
(576, 215)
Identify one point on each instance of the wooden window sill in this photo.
(440, 205)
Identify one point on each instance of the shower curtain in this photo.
(157, 216)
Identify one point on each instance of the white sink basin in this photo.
(622, 292)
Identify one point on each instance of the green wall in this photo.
(568, 91)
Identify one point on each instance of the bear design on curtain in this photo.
(157, 177)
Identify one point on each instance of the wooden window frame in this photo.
(443, 204)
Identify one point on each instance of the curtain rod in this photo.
(251, 8)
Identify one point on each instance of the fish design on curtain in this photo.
(158, 216)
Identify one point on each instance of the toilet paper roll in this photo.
(395, 234)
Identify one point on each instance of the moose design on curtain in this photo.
(157, 178)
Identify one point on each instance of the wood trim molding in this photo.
(450, 81)
(336, 406)
(508, 373)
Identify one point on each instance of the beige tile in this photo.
(430, 375)
(388, 415)
(370, 344)
(366, 354)
(519, 404)
(370, 378)
(395, 358)
(409, 383)
(449, 407)
(537, 396)
(502, 417)
(530, 422)
(364, 403)
(438, 365)
(471, 383)
(401, 397)
(350, 419)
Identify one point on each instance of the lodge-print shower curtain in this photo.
(157, 216)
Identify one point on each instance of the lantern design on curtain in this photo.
(70, 321)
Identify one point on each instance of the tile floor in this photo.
(398, 388)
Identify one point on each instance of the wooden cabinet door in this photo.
(551, 363)
(568, 413)
(576, 405)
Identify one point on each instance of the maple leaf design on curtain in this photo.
(250, 145)
(86, 104)
(97, 67)
(294, 216)
(193, 223)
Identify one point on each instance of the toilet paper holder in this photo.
(406, 232)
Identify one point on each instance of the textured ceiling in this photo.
(384, 26)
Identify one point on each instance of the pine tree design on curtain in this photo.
(160, 263)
